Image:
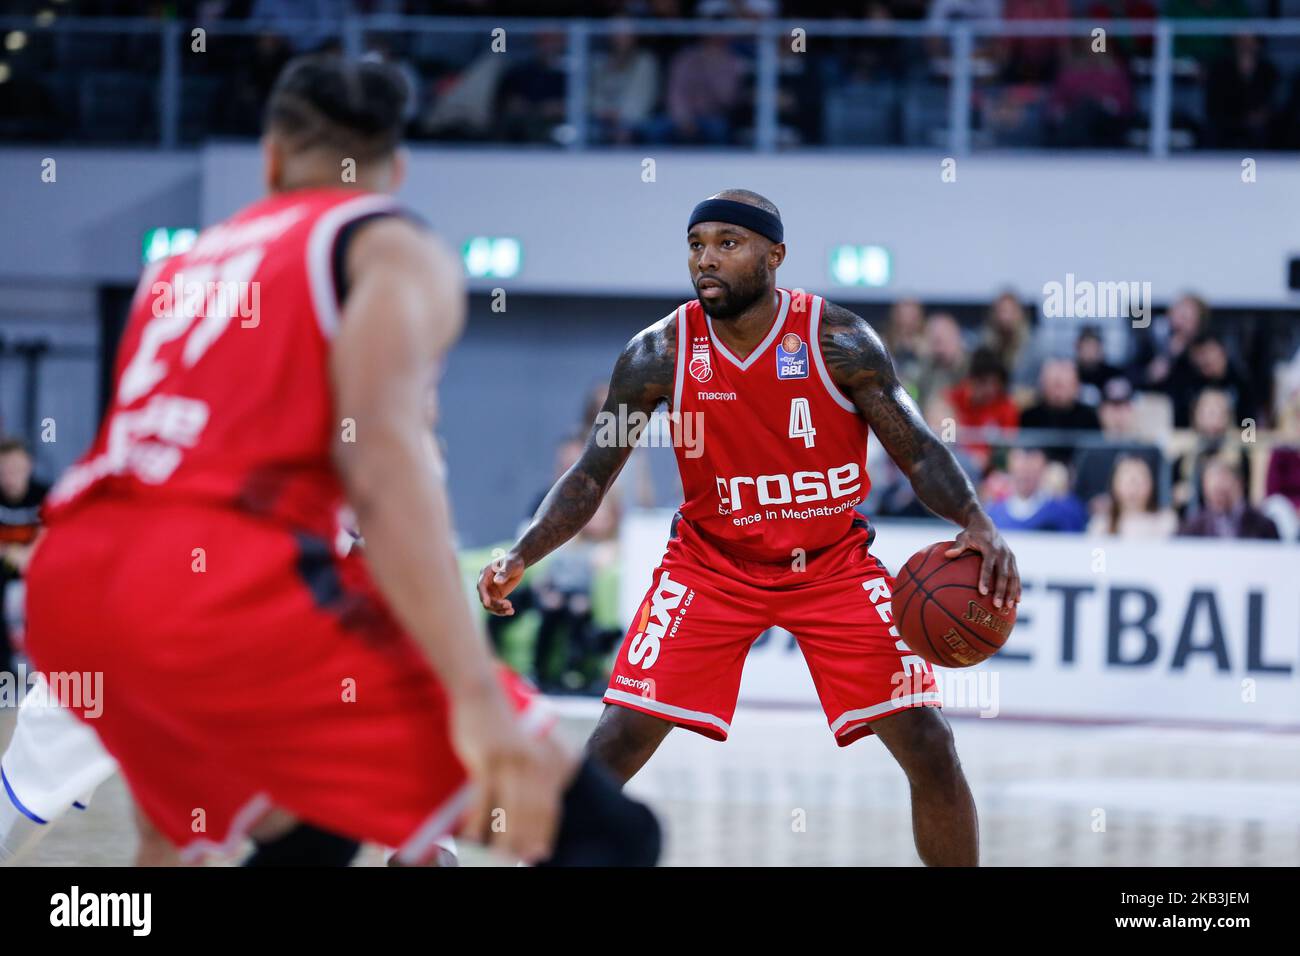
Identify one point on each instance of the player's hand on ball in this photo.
(516, 779)
(497, 579)
(999, 575)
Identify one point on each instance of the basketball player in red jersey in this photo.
(785, 387)
(255, 680)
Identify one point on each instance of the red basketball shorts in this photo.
(244, 668)
(684, 652)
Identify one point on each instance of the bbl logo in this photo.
(792, 357)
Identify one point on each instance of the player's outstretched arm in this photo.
(643, 377)
(404, 310)
(861, 366)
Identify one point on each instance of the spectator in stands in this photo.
(1117, 411)
(1161, 360)
(1094, 467)
(862, 60)
(1008, 333)
(1059, 408)
(1204, 48)
(944, 362)
(1239, 96)
(1130, 46)
(705, 86)
(1091, 366)
(1287, 131)
(944, 11)
(624, 88)
(1225, 512)
(246, 89)
(1212, 368)
(907, 9)
(1132, 507)
(1283, 476)
(1033, 59)
(1092, 99)
(1212, 421)
(1032, 505)
(20, 502)
(905, 337)
(738, 9)
(531, 99)
(1286, 396)
(308, 25)
(980, 401)
(800, 98)
(465, 107)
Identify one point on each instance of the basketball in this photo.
(940, 612)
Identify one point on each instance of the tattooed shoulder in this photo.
(644, 372)
(854, 353)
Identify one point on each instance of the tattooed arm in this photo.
(643, 377)
(861, 366)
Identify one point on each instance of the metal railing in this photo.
(766, 35)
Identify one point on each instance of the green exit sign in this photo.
(165, 241)
(861, 265)
(492, 257)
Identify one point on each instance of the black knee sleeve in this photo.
(305, 845)
(601, 826)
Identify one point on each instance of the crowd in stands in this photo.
(1230, 92)
(1144, 434)
(20, 500)
(1172, 437)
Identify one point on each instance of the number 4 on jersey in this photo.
(801, 421)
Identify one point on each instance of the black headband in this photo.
(738, 214)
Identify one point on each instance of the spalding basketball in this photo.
(940, 612)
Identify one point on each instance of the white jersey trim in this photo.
(851, 718)
(613, 696)
(258, 806)
(763, 346)
(682, 348)
(320, 249)
(814, 333)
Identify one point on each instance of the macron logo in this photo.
(103, 909)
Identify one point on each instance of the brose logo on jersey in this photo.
(700, 368)
(800, 488)
(654, 619)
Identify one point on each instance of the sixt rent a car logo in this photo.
(800, 488)
(655, 616)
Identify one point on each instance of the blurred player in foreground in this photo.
(254, 681)
(771, 394)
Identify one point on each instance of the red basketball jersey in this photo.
(779, 459)
(221, 391)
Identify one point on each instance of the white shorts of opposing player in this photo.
(53, 764)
